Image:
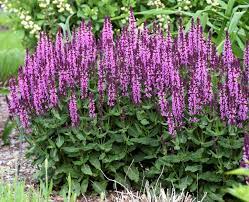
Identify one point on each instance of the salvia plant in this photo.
(92, 105)
(138, 65)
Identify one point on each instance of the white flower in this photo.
(61, 10)
(33, 31)
(122, 8)
(28, 17)
(31, 23)
(141, 26)
(26, 26)
(123, 21)
(22, 16)
(37, 27)
(14, 10)
(185, 7)
(42, 5)
(188, 2)
(24, 23)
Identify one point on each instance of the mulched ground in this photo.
(9, 154)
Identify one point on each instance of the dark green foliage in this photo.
(128, 143)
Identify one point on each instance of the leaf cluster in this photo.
(129, 144)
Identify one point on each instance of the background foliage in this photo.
(215, 15)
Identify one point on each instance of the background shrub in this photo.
(32, 16)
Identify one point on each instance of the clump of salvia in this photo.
(175, 73)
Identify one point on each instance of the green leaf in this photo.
(4, 91)
(56, 114)
(210, 176)
(146, 141)
(235, 20)
(86, 169)
(8, 127)
(241, 192)
(185, 182)
(229, 7)
(59, 141)
(198, 155)
(132, 172)
(193, 168)
(99, 187)
(145, 122)
(84, 185)
(79, 134)
(95, 162)
(71, 149)
(119, 177)
(90, 146)
(239, 171)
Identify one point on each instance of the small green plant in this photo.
(8, 127)
(69, 195)
(47, 187)
(17, 192)
(238, 190)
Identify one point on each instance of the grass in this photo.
(4, 19)
(11, 54)
(10, 60)
(16, 192)
(11, 40)
(11, 50)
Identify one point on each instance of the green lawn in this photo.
(11, 50)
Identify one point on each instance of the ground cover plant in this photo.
(141, 105)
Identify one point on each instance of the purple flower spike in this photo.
(13, 100)
(171, 125)
(53, 96)
(182, 45)
(246, 63)
(163, 104)
(92, 112)
(227, 52)
(73, 110)
(24, 118)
